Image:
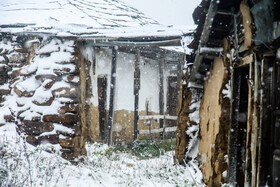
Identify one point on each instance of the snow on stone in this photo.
(28, 85)
(61, 128)
(31, 89)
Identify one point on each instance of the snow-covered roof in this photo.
(89, 18)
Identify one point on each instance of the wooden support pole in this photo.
(136, 92)
(112, 95)
(161, 93)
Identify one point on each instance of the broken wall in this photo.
(215, 124)
(123, 123)
(41, 92)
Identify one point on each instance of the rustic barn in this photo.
(73, 71)
(232, 80)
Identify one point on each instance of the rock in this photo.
(4, 92)
(36, 127)
(66, 70)
(32, 140)
(43, 77)
(61, 118)
(43, 102)
(52, 138)
(23, 93)
(21, 50)
(25, 71)
(3, 79)
(68, 143)
(36, 118)
(74, 79)
(67, 156)
(9, 118)
(13, 74)
(69, 92)
(64, 100)
(48, 83)
(18, 57)
(72, 60)
(71, 108)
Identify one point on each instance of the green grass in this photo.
(145, 149)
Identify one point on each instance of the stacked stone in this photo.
(12, 57)
(46, 87)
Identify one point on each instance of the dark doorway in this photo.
(172, 96)
(238, 131)
(102, 97)
(172, 101)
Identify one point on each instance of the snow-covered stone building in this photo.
(74, 70)
(232, 91)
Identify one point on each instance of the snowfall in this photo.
(22, 164)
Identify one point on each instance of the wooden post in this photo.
(136, 92)
(161, 93)
(112, 94)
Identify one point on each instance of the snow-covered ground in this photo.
(22, 164)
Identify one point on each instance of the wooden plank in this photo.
(160, 130)
(136, 91)
(255, 124)
(112, 95)
(157, 117)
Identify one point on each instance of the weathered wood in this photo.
(234, 128)
(112, 95)
(255, 124)
(157, 117)
(204, 37)
(161, 92)
(136, 91)
(215, 51)
(160, 130)
(235, 36)
(248, 162)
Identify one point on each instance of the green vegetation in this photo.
(144, 149)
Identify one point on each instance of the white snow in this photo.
(278, 53)
(186, 40)
(227, 92)
(39, 65)
(25, 165)
(83, 19)
(194, 116)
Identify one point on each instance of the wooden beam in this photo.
(112, 95)
(136, 91)
(160, 130)
(204, 37)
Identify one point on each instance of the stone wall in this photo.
(40, 91)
